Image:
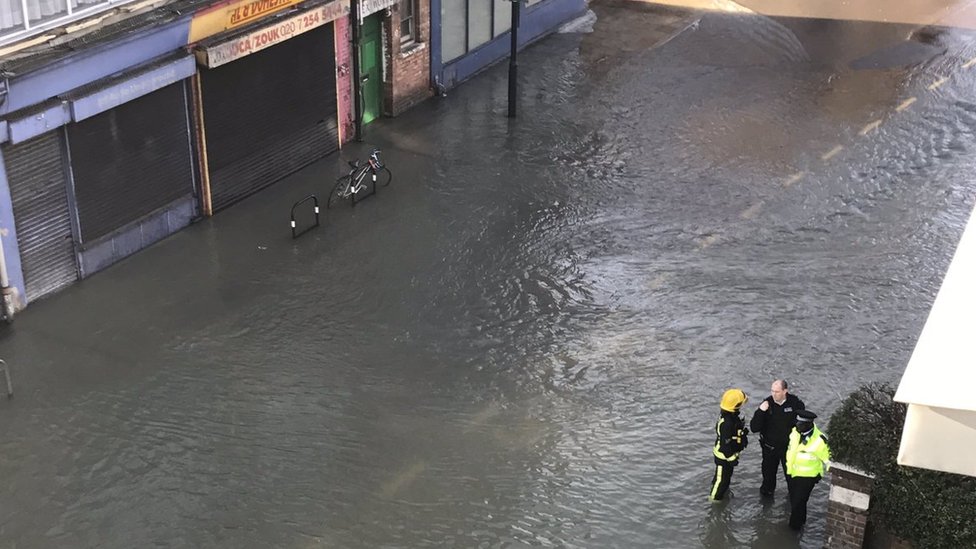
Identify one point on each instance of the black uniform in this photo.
(774, 426)
(730, 439)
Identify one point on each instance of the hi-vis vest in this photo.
(718, 442)
(809, 459)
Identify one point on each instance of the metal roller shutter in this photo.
(130, 161)
(36, 174)
(269, 114)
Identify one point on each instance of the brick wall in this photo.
(847, 510)
(407, 79)
(344, 99)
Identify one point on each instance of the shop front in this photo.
(120, 137)
(267, 101)
(100, 172)
(469, 35)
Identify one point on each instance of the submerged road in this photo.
(523, 340)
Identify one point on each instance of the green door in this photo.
(369, 56)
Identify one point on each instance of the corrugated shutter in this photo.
(36, 174)
(130, 161)
(269, 114)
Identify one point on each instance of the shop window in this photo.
(503, 16)
(469, 24)
(408, 22)
(454, 23)
(479, 24)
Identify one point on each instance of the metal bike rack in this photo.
(315, 201)
(6, 374)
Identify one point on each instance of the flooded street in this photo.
(523, 340)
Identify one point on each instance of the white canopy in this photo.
(950, 13)
(939, 384)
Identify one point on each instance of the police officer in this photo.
(807, 458)
(773, 420)
(730, 439)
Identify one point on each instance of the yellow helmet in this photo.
(733, 399)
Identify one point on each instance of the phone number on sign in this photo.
(218, 55)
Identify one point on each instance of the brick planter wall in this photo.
(847, 510)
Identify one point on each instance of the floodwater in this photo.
(522, 341)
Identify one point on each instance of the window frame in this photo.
(71, 12)
(411, 37)
(495, 34)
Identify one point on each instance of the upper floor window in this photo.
(408, 21)
(44, 14)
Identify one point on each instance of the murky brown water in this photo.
(522, 341)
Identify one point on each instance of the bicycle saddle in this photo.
(353, 164)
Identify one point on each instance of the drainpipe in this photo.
(354, 12)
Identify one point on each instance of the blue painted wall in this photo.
(137, 236)
(87, 66)
(536, 22)
(31, 90)
(8, 238)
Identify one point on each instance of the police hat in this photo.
(805, 415)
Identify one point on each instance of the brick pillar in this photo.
(344, 60)
(847, 510)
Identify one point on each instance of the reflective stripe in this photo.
(718, 481)
(720, 455)
(718, 443)
(807, 459)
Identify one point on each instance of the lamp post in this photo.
(513, 59)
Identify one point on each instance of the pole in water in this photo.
(513, 59)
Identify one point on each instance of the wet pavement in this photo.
(522, 341)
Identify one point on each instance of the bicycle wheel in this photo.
(339, 191)
(384, 177)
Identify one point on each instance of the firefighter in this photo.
(807, 459)
(731, 437)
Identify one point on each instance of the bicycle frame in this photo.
(354, 180)
(356, 175)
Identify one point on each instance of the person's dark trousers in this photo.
(773, 459)
(800, 489)
(721, 479)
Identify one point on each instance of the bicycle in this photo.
(348, 186)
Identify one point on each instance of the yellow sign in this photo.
(267, 36)
(233, 14)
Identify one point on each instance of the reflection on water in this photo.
(522, 341)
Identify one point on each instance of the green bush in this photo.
(929, 508)
(866, 430)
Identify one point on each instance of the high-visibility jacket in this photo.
(809, 458)
(730, 437)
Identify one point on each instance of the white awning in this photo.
(939, 384)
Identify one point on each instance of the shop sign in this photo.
(240, 46)
(232, 14)
(369, 7)
(118, 93)
(54, 115)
